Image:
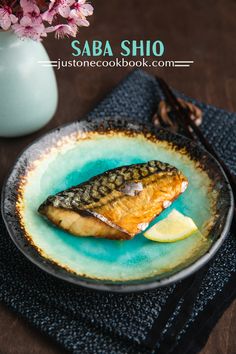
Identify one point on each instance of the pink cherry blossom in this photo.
(63, 30)
(30, 29)
(7, 18)
(30, 8)
(61, 7)
(51, 12)
(76, 17)
(64, 7)
(83, 8)
(34, 19)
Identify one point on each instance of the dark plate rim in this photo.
(60, 273)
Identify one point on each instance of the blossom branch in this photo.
(36, 18)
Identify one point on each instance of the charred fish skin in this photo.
(91, 191)
(152, 186)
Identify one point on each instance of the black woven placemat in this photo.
(164, 320)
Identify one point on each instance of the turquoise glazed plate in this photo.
(74, 153)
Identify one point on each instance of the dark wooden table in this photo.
(202, 31)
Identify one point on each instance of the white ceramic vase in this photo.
(28, 91)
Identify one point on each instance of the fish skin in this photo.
(102, 197)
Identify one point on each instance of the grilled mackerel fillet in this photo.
(116, 204)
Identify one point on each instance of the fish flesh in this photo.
(117, 204)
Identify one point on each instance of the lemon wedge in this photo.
(174, 227)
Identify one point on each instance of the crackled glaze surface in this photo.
(77, 152)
